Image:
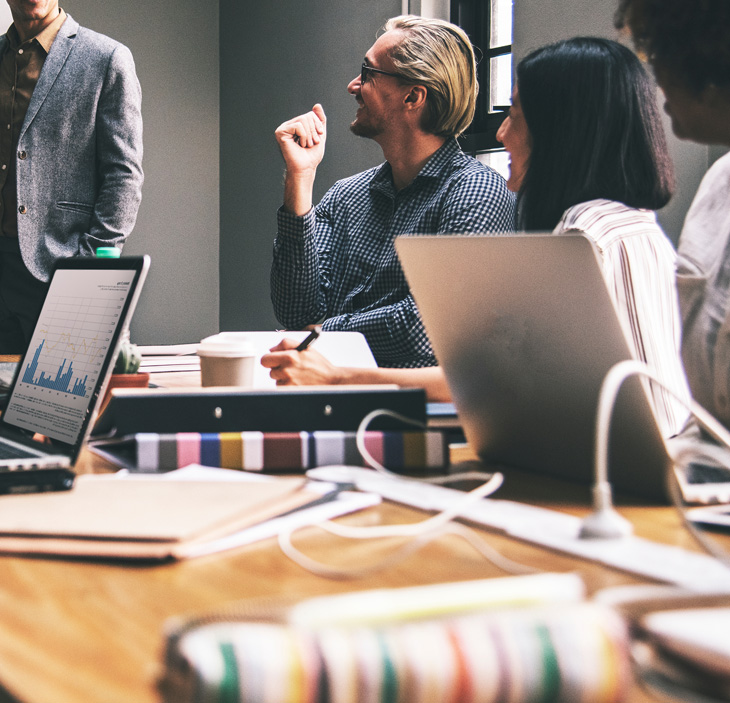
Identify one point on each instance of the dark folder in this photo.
(276, 410)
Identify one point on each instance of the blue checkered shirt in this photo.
(337, 263)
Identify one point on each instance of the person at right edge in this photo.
(687, 43)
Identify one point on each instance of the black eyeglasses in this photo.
(369, 69)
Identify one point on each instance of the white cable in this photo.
(427, 530)
(611, 384)
(678, 450)
(685, 453)
(411, 547)
(420, 533)
(375, 464)
(417, 528)
(360, 437)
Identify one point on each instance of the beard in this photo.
(362, 128)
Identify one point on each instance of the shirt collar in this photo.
(434, 167)
(442, 156)
(45, 38)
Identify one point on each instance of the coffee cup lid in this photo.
(225, 345)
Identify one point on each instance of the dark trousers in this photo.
(21, 298)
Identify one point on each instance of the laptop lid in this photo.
(64, 373)
(525, 331)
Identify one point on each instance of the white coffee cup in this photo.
(226, 359)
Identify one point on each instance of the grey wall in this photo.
(209, 203)
(538, 22)
(277, 59)
(175, 47)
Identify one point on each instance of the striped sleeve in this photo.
(639, 267)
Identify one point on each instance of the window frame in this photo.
(475, 18)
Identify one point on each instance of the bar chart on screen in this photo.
(60, 382)
(66, 354)
(68, 348)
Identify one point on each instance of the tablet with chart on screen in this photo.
(72, 351)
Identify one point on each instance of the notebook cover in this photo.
(140, 515)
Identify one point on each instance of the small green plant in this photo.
(129, 358)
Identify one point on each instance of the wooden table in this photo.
(75, 632)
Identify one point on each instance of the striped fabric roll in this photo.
(289, 451)
(576, 652)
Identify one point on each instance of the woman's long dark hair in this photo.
(596, 132)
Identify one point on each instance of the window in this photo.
(489, 26)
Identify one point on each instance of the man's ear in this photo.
(416, 97)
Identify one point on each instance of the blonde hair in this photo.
(438, 55)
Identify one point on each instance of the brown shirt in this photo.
(20, 68)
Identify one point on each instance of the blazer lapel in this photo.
(52, 66)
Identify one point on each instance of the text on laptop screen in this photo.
(66, 354)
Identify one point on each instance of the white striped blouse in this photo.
(639, 266)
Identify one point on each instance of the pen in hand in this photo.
(307, 341)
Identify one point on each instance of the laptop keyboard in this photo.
(8, 451)
(702, 473)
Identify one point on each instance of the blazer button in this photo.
(22, 154)
(22, 210)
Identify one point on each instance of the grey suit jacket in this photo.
(79, 157)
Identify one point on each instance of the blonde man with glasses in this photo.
(335, 262)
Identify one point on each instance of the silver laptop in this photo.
(60, 381)
(525, 331)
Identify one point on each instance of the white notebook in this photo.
(340, 348)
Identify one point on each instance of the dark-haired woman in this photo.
(588, 153)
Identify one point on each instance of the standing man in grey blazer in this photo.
(70, 154)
